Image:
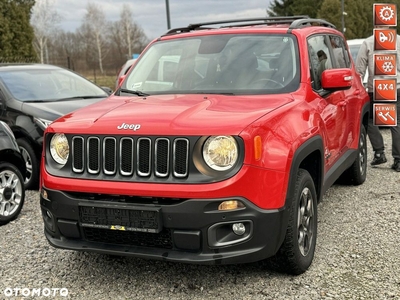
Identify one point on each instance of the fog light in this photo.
(49, 215)
(44, 194)
(238, 228)
(230, 205)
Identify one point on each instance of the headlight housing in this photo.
(220, 153)
(59, 148)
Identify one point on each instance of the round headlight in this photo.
(59, 148)
(220, 152)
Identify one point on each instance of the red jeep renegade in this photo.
(216, 148)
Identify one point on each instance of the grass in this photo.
(103, 80)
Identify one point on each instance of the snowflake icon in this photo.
(386, 13)
(387, 66)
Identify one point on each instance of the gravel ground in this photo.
(356, 258)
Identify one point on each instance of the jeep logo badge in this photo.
(125, 126)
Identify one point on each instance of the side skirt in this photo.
(338, 168)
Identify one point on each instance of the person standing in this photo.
(365, 60)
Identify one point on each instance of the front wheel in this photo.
(12, 192)
(32, 164)
(297, 251)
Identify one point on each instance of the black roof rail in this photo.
(295, 22)
(308, 22)
(238, 22)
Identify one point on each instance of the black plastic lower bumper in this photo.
(191, 231)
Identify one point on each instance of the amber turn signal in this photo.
(230, 205)
(257, 147)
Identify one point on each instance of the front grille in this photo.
(162, 239)
(162, 157)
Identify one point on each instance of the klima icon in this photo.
(385, 64)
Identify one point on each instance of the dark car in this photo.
(34, 95)
(12, 166)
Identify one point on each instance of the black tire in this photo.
(12, 192)
(31, 181)
(357, 173)
(297, 250)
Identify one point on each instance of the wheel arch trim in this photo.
(311, 145)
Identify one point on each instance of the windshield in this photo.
(27, 84)
(228, 64)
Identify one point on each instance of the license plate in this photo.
(122, 219)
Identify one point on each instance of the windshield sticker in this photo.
(136, 85)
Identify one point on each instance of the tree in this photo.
(294, 8)
(127, 27)
(279, 8)
(68, 50)
(332, 12)
(126, 36)
(45, 20)
(16, 33)
(306, 7)
(94, 30)
(358, 18)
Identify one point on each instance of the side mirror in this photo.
(337, 79)
(120, 79)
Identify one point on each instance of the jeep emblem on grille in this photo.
(124, 126)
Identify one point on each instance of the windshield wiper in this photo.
(81, 97)
(136, 92)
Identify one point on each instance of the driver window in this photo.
(340, 53)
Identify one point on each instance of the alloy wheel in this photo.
(11, 192)
(28, 163)
(305, 221)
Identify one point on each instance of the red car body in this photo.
(279, 137)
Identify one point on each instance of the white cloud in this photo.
(151, 15)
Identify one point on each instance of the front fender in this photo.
(310, 156)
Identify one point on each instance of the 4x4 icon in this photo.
(240, 131)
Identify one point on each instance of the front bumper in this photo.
(191, 231)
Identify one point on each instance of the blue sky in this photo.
(151, 15)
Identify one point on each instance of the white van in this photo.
(354, 47)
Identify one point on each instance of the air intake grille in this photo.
(161, 157)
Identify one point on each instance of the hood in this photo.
(55, 109)
(171, 114)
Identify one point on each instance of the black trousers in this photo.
(375, 136)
